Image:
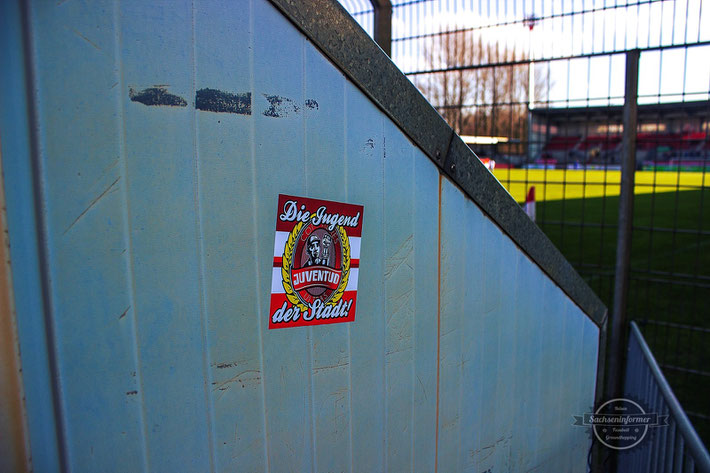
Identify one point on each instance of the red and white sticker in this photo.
(316, 262)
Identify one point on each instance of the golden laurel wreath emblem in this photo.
(287, 263)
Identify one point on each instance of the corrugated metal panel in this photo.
(159, 240)
(510, 349)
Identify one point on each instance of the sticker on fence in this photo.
(316, 262)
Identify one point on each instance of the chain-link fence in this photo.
(537, 90)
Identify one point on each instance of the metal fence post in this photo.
(623, 242)
(383, 24)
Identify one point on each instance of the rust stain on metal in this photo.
(13, 418)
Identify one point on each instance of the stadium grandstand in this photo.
(670, 136)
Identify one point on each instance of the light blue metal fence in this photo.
(672, 448)
(142, 229)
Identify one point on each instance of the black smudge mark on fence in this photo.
(280, 106)
(154, 96)
(213, 100)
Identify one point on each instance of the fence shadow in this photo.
(670, 277)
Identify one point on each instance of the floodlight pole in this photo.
(383, 24)
(530, 22)
(619, 320)
(531, 69)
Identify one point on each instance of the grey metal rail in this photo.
(674, 448)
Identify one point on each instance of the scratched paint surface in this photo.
(166, 133)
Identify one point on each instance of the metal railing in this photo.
(673, 448)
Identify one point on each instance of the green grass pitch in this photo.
(670, 257)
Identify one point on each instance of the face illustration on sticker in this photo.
(319, 249)
(313, 250)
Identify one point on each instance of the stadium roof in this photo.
(666, 110)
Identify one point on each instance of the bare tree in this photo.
(479, 87)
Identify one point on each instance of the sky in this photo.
(601, 29)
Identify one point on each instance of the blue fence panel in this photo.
(671, 448)
(165, 132)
